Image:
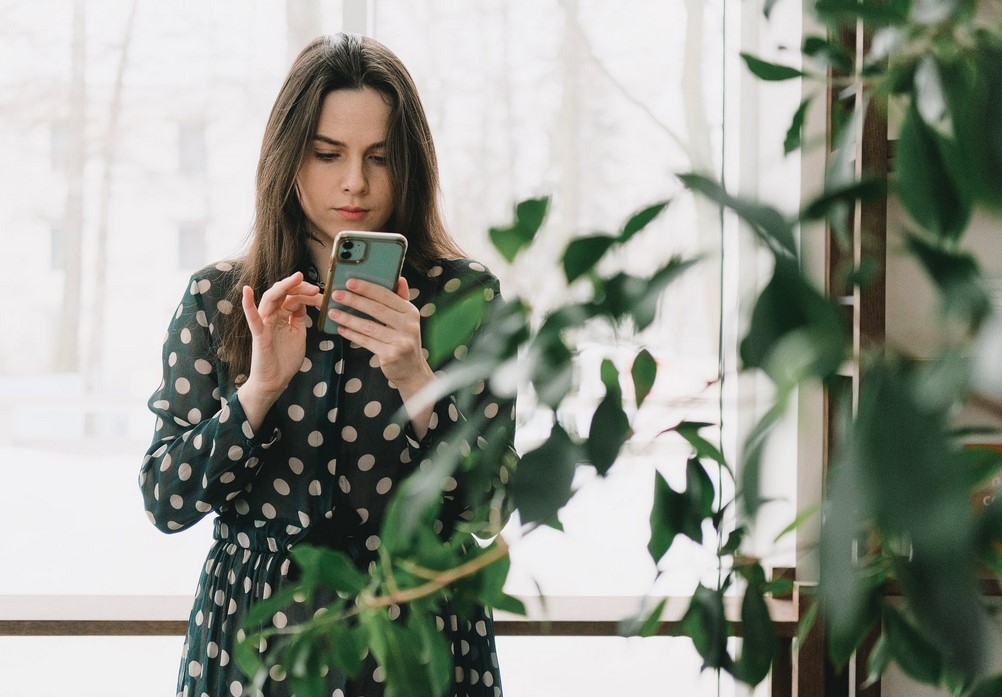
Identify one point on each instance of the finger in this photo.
(250, 310)
(297, 303)
(360, 325)
(373, 291)
(403, 290)
(273, 298)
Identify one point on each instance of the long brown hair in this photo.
(279, 240)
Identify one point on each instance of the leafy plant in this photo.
(897, 509)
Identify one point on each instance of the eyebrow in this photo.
(339, 144)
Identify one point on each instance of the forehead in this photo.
(354, 117)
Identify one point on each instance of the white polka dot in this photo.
(379, 674)
(332, 415)
(488, 679)
(269, 511)
(212, 650)
(353, 385)
(182, 385)
(491, 410)
(366, 462)
(194, 669)
(349, 434)
(316, 439)
(204, 285)
(304, 519)
(452, 284)
(326, 345)
(203, 506)
(481, 628)
(201, 318)
(477, 266)
(372, 409)
(391, 432)
(243, 539)
(434, 272)
(372, 543)
(384, 485)
(488, 294)
(413, 293)
(315, 488)
(235, 452)
(282, 487)
(280, 620)
(296, 465)
(320, 389)
(332, 466)
(224, 658)
(296, 412)
(453, 413)
(227, 478)
(464, 647)
(305, 367)
(185, 336)
(345, 485)
(428, 310)
(236, 689)
(203, 366)
(176, 502)
(243, 508)
(172, 359)
(374, 361)
(194, 416)
(363, 515)
(224, 306)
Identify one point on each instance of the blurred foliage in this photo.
(897, 510)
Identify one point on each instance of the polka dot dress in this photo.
(321, 469)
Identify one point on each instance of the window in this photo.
(191, 148)
(57, 248)
(597, 104)
(191, 246)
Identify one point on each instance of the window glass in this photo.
(597, 107)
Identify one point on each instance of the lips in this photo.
(351, 212)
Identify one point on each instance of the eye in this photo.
(326, 156)
(378, 159)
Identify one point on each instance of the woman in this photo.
(288, 434)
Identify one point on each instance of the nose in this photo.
(353, 177)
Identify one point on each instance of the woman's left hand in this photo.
(393, 334)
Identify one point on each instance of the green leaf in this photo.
(957, 277)
(768, 223)
(706, 624)
(880, 658)
(552, 369)
(639, 220)
(923, 181)
(699, 488)
(771, 72)
(644, 371)
(992, 687)
(348, 646)
(542, 483)
(453, 325)
(645, 623)
(529, 216)
(917, 657)
(330, 568)
(795, 134)
(624, 295)
(672, 514)
(838, 196)
(583, 253)
(700, 445)
(829, 53)
(400, 650)
(873, 13)
(759, 642)
(609, 431)
(795, 331)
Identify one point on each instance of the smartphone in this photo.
(371, 256)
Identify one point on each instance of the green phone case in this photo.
(371, 256)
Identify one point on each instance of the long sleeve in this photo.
(477, 424)
(204, 451)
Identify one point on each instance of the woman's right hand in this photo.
(278, 345)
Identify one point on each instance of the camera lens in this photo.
(345, 254)
(348, 245)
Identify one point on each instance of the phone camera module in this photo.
(345, 254)
(348, 245)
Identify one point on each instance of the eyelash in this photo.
(331, 156)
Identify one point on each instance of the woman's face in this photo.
(344, 181)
